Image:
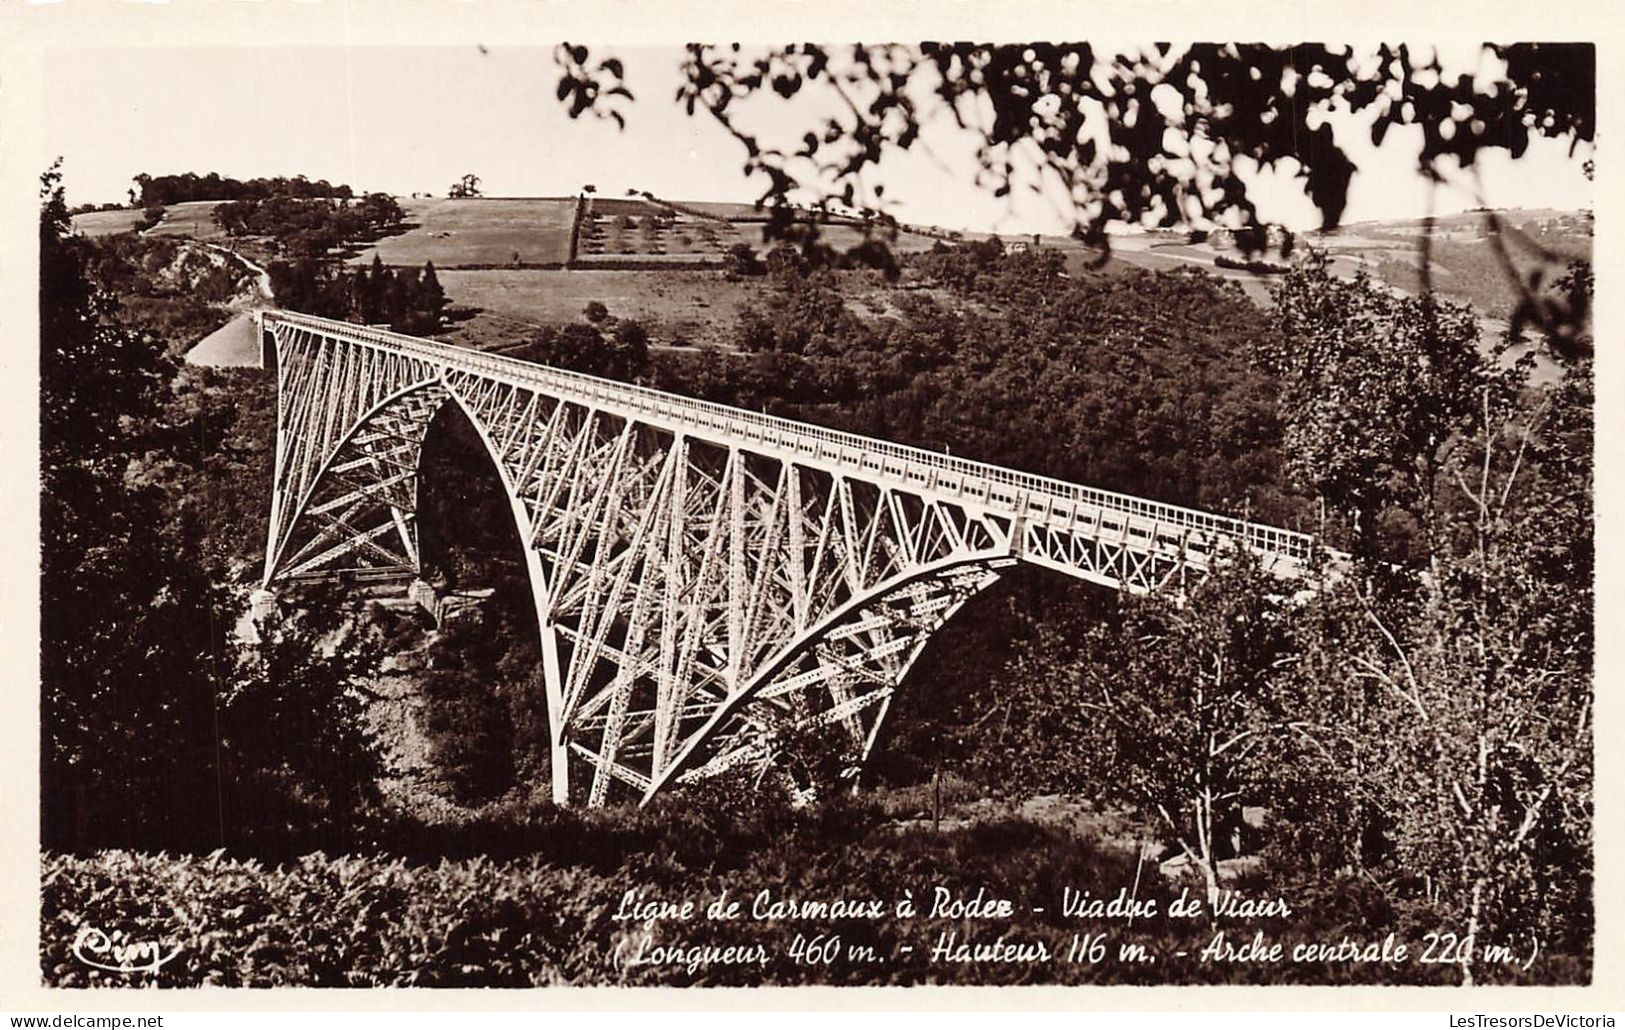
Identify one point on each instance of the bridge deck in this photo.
(1022, 496)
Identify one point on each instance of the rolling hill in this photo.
(515, 264)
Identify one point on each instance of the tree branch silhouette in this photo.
(1157, 136)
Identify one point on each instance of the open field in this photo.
(701, 306)
(627, 226)
(194, 218)
(617, 229)
(479, 231)
(507, 249)
(843, 237)
(1127, 253)
(106, 223)
(686, 307)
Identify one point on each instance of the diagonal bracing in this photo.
(713, 587)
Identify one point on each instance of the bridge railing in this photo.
(1023, 494)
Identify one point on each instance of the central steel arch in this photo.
(708, 582)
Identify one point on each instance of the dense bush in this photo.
(350, 922)
(580, 347)
(173, 288)
(1137, 383)
(408, 300)
(630, 262)
(547, 917)
(485, 716)
(309, 228)
(466, 718)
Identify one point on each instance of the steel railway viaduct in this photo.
(706, 580)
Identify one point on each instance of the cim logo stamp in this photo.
(117, 953)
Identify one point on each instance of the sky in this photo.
(405, 120)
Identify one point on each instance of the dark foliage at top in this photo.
(1148, 136)
(1258, 101)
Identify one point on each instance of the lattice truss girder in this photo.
(350, 426)
(709, 602)
(703, 600)
(1115, 558)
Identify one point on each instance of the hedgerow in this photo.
(549, 917)
(1260, 267)
(325, 922)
